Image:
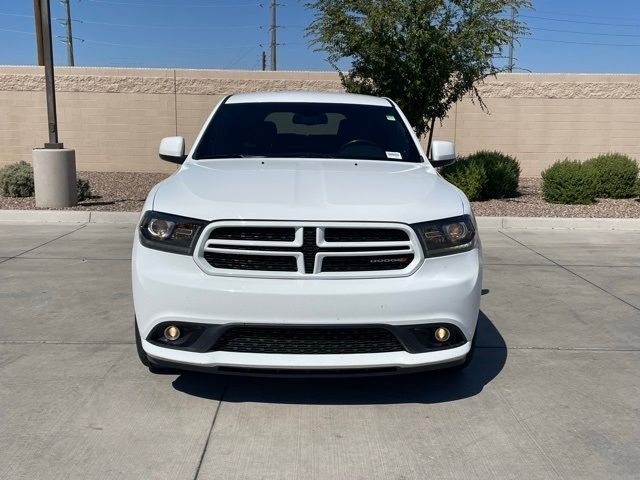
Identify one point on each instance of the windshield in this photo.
(312, 130)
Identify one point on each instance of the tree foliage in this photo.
(424, 54)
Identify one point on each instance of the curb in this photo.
(557, 223)
(489, 223)
(67, 216)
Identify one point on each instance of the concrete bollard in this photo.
(54, 175)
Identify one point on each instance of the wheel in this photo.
(469, 356)
(145, 359)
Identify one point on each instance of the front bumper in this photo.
(172, 288)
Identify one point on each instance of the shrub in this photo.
(16, 180)
(485, 175)
(616, 173)
(569, 182)
(502, 174)
(637, 192)
(469, 175)
(84, 189)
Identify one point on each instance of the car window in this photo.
(308, 130)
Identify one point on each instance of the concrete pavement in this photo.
(553, 392)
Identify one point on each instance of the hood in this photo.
(308, 189)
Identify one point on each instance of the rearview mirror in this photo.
(172, 150)
(442, 153)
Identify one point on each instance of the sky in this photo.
(565, 35)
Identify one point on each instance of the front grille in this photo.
(307, 249)
(265, 263)
(309, 341)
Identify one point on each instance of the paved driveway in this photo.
(554, 391)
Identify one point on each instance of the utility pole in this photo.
(37, 15)
(274, 27)
(513, 19)
(69, 40)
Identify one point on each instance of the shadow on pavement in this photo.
(427, 387)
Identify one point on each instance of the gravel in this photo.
(112, 192)
(530, 204)
(126, 192)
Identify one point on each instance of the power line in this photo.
(16, 31)
(157, 5)
(565, 14)
(241, 56)
(99, 42)
(582, 43)
(166, 27)
(16, 15)
(587, 33)
(583, 22)
(129, 45)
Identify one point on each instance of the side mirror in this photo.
(442, 153)
(172, 150)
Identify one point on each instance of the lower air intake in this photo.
(309, 341)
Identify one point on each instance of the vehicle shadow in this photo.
(428, 387)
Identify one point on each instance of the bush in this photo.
(502, 174)
(468, 175)
(637, 192)
(485, 175)
(84, 189)
(617, 175)
(569, 182)
(16, 180)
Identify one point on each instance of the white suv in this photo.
(306, 233)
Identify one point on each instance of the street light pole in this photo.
(38, 18)
(54, 167)
(47, 51)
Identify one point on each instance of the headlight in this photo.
(444, 237)
(170, 233)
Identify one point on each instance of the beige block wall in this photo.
(115, 117)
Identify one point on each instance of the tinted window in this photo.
(313, 130)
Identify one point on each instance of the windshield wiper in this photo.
(302, 155)
(229, 155)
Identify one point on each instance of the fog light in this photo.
(442, 334)
(172, 333)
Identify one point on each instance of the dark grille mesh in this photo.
(266, 234)
(267, 263)
(365, 235)
(311, 341)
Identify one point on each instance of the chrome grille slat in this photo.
(270, 249)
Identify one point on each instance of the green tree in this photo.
(424, 54)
